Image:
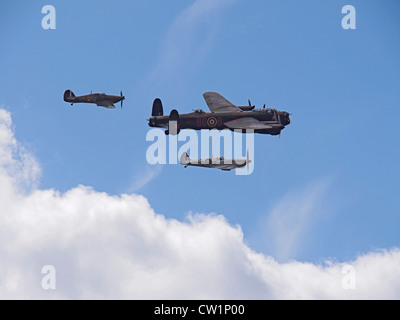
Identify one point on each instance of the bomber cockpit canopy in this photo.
(267, 110)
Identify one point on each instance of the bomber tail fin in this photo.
(157, 108)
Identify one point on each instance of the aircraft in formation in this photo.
(101, 99)
(215, 162)
(223, 115)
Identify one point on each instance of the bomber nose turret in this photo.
(285, 119)
(288, 118)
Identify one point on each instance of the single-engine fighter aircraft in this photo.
(101, 99)
(224, 114)
(215, 162)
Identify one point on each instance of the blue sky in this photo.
(327, 188)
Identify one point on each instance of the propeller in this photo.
(122, 98)
(250, 105)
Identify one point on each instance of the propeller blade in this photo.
(249, 103)
(122, 98)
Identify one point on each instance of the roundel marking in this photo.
(212, 122)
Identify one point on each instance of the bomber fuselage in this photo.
(215, 120)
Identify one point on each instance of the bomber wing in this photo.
(218, 103)
(247, 123)
(106, 104)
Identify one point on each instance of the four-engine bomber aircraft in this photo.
(224, 114)
(101, 99)
(218, 162)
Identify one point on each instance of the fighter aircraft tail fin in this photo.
(68, 94)
(185, 159)
(157, 108)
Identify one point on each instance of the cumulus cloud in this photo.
(16, 163)
(116, 247)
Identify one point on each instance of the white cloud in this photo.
(108, 247)
(16, 163)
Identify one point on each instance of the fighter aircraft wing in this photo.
(247, 123)
(218, 103)
(106, 104)
(226, 167)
